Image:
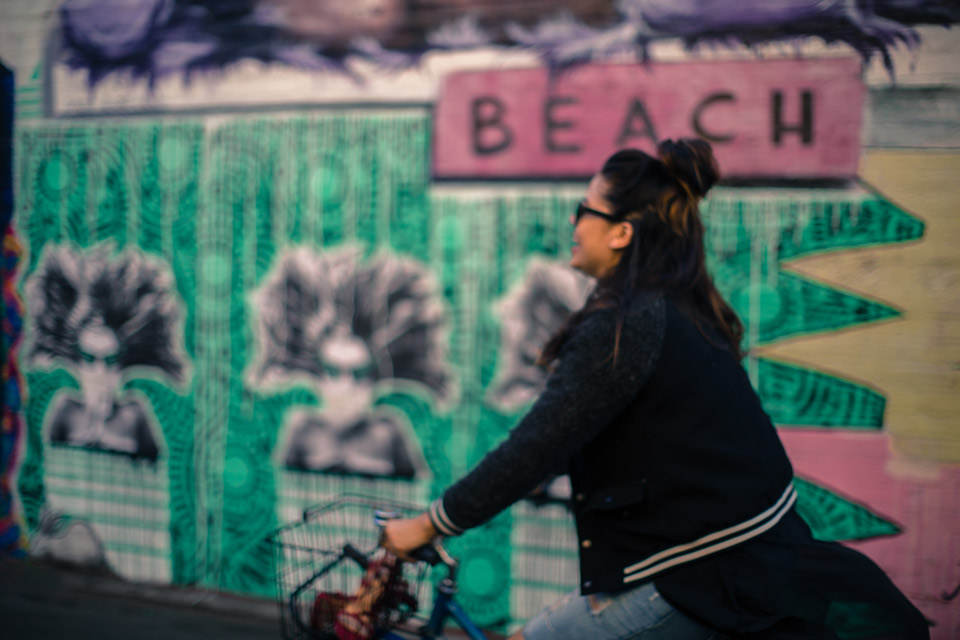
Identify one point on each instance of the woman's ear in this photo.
(621, 235)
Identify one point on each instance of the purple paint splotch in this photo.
(150, 39)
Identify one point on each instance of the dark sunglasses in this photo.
(582, 209)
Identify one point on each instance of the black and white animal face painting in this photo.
(106, 319)
(351, 328)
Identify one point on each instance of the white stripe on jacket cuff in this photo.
(440, 519)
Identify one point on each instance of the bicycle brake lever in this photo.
(433, 554)
(448, 559)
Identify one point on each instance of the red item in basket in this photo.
(352, 617)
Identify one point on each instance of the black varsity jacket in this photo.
(670, 454)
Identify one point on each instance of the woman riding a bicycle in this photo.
(682, 491)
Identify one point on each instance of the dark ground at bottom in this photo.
(40, 601)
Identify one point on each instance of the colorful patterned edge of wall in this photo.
(12, 536)
(12, 533)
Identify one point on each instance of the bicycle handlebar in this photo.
(432, 553)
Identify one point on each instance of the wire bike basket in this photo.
(322, 559)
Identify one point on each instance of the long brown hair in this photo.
(659, 197)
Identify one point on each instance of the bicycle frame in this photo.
(444, 608)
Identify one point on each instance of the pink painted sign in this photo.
(765, 118)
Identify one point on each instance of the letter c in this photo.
(698, 112)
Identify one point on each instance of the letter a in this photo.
(637, 111)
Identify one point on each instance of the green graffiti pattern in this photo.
(173, 412)
(796, 396)
(219, 204)
(748, 239)
(832, 517)
(42, 386)
(749, 236)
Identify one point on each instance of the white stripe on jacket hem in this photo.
(702, 547)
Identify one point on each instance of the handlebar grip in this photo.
(354, 554)
(427, 553)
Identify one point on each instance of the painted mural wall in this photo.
(259, 262)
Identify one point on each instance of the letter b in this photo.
(487, 113)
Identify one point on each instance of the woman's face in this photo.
(597, 242)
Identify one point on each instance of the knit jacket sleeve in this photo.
(588, 389)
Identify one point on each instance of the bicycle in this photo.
(322, 558)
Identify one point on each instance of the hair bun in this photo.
(691, 162)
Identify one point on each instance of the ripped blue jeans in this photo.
(640, 613)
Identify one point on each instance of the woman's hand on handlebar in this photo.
(403, 536)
